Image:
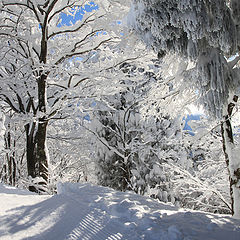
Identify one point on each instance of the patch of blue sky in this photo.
(68, 19)
(94, 104)
(101, 33)
(119, 22)
(187, 128)
(87, 117)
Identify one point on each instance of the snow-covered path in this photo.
(86, 212)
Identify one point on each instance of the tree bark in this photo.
(37, 163)
(37, 132)
(31, 160)
(233, 164)
(10, 165)
(41, 151)
(11, 160)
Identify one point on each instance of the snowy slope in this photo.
(84, 212)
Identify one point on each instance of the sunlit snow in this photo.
(84, 212)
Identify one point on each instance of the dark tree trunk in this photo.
(11, 161)
(227, 137)
(228, 141)
(40, 151)
(37, 134)
(41, 133)
(37, 163)
(14, 166)
(3, 173)
(30, 149)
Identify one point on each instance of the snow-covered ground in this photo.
(84, 212)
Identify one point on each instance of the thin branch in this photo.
(80, 81)
(209, 131)
(119, 63)
(72, 30)
(110, 148)
(233, 63)
(78, 44)
(9, 102)
(24, 5)
(198, 182)
(70, 55)
(57, 85)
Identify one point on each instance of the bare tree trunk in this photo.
(14, 165)
(10, 158)
(41, 132)
(37, 163)
(3, 173)
(41, 151)
(233, 164)
(30, 147)
(37, 132)
(40, 137)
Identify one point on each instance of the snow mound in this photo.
(88, 212)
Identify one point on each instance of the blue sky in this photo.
(69, 19)
(189, 118)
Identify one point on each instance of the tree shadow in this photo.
(59, 217)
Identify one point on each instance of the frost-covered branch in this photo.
(70, 55)
(72, 30)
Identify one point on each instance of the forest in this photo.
(138, 96)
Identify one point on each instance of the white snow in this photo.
(84, 212)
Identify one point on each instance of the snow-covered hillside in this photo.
(84, 212)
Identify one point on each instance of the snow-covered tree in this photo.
(117, 127)
(130, 145)
(45, 64)
(205, 33)
(13, 166)
(160, 143)
(71, 150)
(202, 184)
